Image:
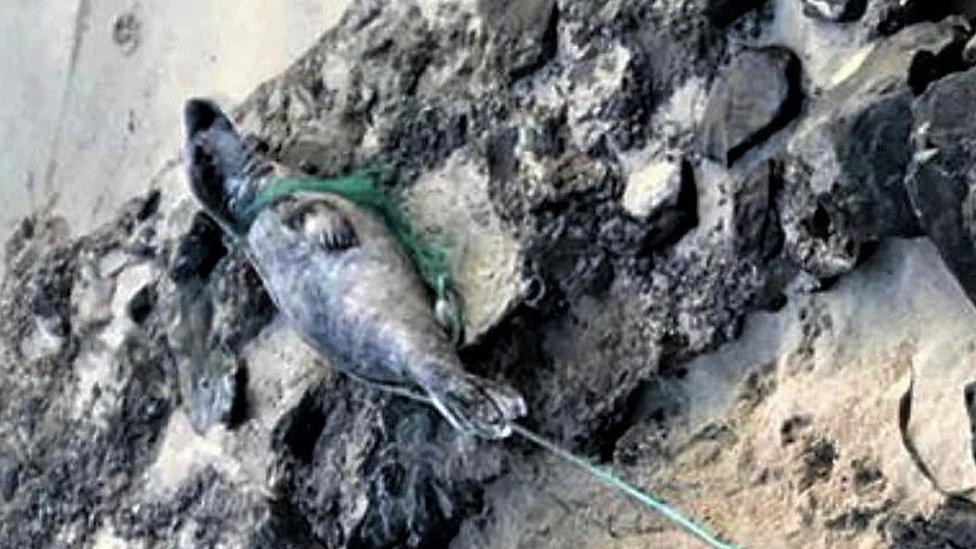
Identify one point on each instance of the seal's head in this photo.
(222, 167)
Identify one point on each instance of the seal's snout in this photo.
(202, 114)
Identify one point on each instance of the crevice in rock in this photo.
(304, 425)
(928, 67)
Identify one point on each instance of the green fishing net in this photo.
(366, 189)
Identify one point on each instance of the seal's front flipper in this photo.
(478, 406)
(318, 222)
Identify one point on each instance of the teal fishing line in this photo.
(610, 478)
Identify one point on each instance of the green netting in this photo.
(365, 189)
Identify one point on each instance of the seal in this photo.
(341, 278)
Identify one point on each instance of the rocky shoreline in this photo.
(712, 253)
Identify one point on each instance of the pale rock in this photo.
(835, 10)
(99, 382)
(91, 296)
(652, 188)
(452, 206)
(41, 343)
(128, 283)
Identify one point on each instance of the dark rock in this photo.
(844, 183)
(198, 251)
(242, 306)
(845, 166)
(965, 8)
(953, 524)
(817, 462)
(931, 64)
(524, 33)
(142, 304)
(755, 96)
(940, 182)
(212, 321)
(425, 135)
(755, 223)
(835, 10)
(969, 52)
(79, 470)
(725, 12)
(970, 396)
(150, 205)
(9, 477)
(51, 301)
(365, 470)
(886, 17)
(214, 389)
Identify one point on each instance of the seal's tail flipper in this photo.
(220, 162)
(478, 406)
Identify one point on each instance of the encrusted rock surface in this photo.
(941, 184)
(683, 243)
(753, 97)
(835, 10)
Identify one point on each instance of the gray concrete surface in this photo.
(91, 93)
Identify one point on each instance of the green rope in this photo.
(610, 478)
(365, 189)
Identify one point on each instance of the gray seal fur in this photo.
(342, 281)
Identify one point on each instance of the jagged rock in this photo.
(487, 260)
(242, 307)
(549, 203)
(951, 525)
(754, 97)
(590, 310)
(969, 51)
(142, 304)
(91, 297)
(654, 187)
(599, 84)
(198, 251)
(850, 169)
(886, 17)
(216, 304)
(725, 12)
(754, 219)
(662, 195)
(523, 32)
(367, 470)
(845, 165)
(835, 10)
(9, 471)
(941, 183)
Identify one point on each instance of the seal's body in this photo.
(342, 280)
